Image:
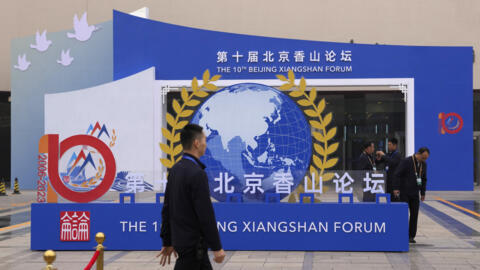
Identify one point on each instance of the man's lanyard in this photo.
(369, 159)
(415, 167)
(192, 159)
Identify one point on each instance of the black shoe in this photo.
(411, 240)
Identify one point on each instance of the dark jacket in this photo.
(364, 162)
(405, 179)
(391, 161)
(187, 214)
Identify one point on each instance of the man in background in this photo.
(366, 162)
(410, 179)
(391, 161)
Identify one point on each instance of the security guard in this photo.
(411, 179)
(391, 160)
(188, 221)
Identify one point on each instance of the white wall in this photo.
(130, 106)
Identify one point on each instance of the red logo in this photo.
(66, 178)
(55, 150)
(450, 123)
(75, 226)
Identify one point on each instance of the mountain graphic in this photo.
(92, 129)
(74, 170)
(72, 159)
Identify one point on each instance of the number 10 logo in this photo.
(49, 144)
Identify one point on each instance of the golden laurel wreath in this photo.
(99, 174)
(101, 167)
(94, 180)
(183, 110)
(114, 138)
(323, 149)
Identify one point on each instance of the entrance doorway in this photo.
(363, 116)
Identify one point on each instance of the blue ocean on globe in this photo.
(257, 139)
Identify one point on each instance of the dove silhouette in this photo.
(65, 58)
(22, 63)
(41, 41)
(83, 31)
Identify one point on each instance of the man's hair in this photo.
(393, 141)
(423, 149)
(367, 144)
(188, 135)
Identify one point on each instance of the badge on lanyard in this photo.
(419, 180)
(371, 163)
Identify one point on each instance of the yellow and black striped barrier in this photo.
(16, 188)
(3, 192)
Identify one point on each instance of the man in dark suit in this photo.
(391, 160)
(189, 227)
(410, 180)
(366, 162)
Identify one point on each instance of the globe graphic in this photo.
(258, 142)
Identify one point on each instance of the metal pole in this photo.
(49, 257)
(100, 237)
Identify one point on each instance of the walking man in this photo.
(189, 227)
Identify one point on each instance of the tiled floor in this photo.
(448, 238)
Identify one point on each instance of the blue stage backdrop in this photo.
(442, 76)
(242, 226)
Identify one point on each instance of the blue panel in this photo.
(280, 226)
(123, 195)
(269, 196)
(302, 196)
(443, 78)
(157, 197)
(348, 195)
(386, 195)
(234, 197)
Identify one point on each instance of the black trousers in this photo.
(413, 205)
(389, 185)
(389, 190)
(191, 258)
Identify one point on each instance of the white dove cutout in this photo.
(41, 41)
(22, 63)
(83, 31)
(65, 58)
